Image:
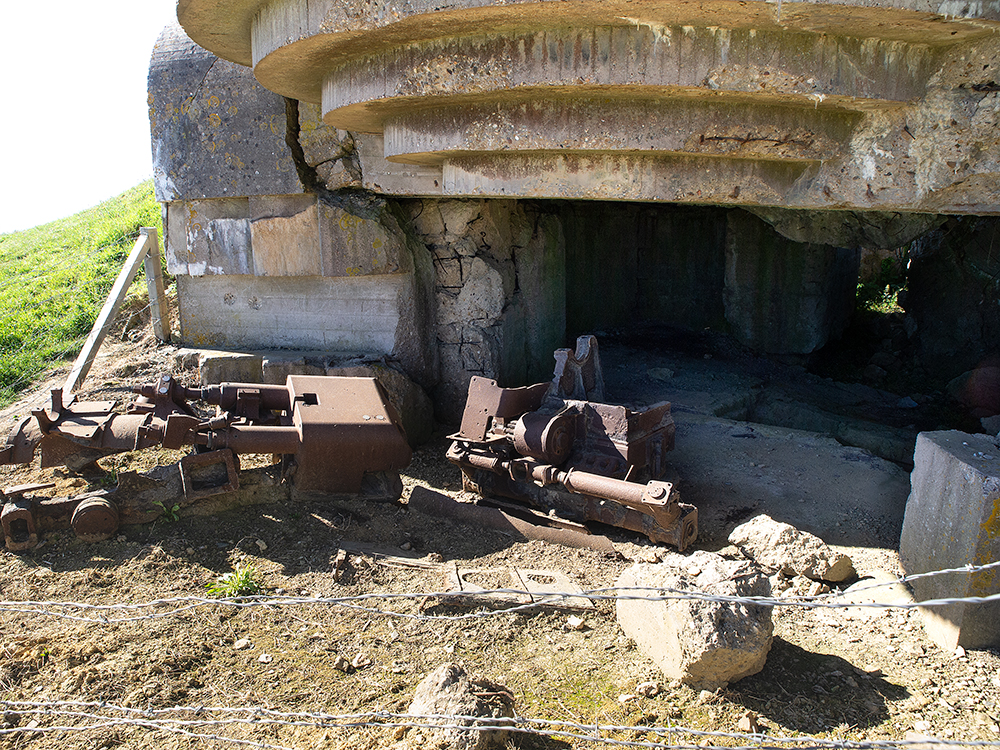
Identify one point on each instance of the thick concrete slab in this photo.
(952, 520)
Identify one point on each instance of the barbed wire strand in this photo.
(177, 605)
(258, 716)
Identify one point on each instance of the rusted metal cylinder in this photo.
(19, 525)
(584, 483)
(122, 434)
(272, 397)
(95, 519)
(250, 439)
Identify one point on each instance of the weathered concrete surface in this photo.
(825, 105)
(953, 300)
(952, 520)
(702, 643)
(733, 469)
(373, 315)
(781, 297)
(216, 132)
(499, 289)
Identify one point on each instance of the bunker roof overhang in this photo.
(633, 99)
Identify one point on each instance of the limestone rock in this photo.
(449, 691)
(702, 643)
(777, 546)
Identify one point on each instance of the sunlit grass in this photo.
(55, 278)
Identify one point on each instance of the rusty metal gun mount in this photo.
(572, 458)
(336, 435)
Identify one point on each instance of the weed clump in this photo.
(241, 581)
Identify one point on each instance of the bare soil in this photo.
(851, 674)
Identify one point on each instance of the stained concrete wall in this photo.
(263, 257)
(499, 289)
(785, 297)
(643, 262)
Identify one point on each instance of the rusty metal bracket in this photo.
(19, 526)
(196, 489)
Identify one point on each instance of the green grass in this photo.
(54, 279)
(880, 294)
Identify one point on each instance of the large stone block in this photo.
(207, 237)
(353, 245)
(953, 519)
(366, 315)
(284, 231)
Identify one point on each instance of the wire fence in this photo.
(170, 607)
(205, 722)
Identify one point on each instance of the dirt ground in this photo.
(857, 674)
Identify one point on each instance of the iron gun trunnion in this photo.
(570, 458)
(335, 435)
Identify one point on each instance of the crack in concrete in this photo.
(357, 201)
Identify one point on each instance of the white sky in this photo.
(74, 128)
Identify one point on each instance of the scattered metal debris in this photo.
(335, 434)
(545, 447)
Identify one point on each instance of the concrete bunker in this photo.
(465, 190)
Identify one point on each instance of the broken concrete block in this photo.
(705, 644)
(448, 691)
(229, 367)
(953, 519)
(276, 368)
(416, 412)
(285, 235)
(777, 546)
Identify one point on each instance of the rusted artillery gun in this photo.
(549, 449)
(335, 435)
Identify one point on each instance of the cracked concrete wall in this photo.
(499, 289)
(268, 248)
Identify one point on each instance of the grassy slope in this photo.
(54, 279)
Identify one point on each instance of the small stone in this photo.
(261, 545)
(959, 653)
(265, 658)
(748, 723)
(921, 726)
(190, 551)
(575, 623)
(406, 546)
(626, 698)
(648, 689)
(462, 699)
(242, 643)
(342, 664)
(705, 696)
(361, 661)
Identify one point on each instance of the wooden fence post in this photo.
(147, 238)
(158, 307)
